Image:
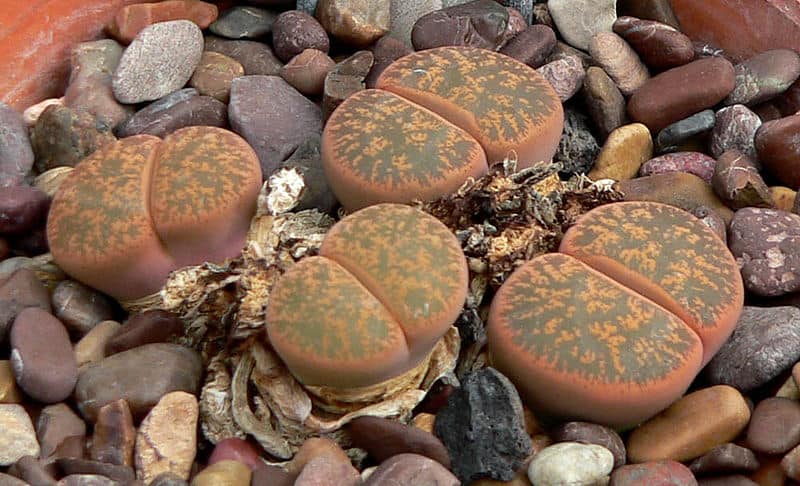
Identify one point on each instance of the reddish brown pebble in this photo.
(695, 163)
(655, 473)
(56, 423)
(386, 50)
(21, 209)
(214, 74)
(774, 426)
(152, 326)
(779, 151)
(681, 92)
(130, 20)
(239, 450)
(531, 46)
(658, 10)
(660, 46)
(114, 434)
(295, 31)
(564, 75)
(620, 61)
(737, 182)
(383, 438)
(306, 71)
(22, 289)
(604, 101)
(725, 459)
(764, 76)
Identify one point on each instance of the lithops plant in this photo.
(436, 118)
(141, 207)
(615, 326)
(388, 283)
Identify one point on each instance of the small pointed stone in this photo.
(737, 182)
(114, 435)
(167, 438)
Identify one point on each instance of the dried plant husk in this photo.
(42, 266)
(50, 180)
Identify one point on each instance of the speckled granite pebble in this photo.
(696, 163)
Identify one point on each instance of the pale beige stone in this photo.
(424, 421)
(625, 150)
(167, 437)
(620, 61)
(356, 22)
(17, 437)
(91, 347)
(229, 473)
(789, 390)
(9, 391)
(31, 113)
(690, 427)
(783, 197)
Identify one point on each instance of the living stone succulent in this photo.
(614, 327)
(139, 208)
(436, 118)
(388, 283)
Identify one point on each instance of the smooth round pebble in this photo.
(672, 136)
(564, 75)
(661, 473)
(383, 438)
(696, 163)
(42, 356)
(411, 469)
(214, 75)
(620, 61)
(152, 326)
(725, 459)
(21, 209)
(774, 426)
(569, 463)
(589, 433)
(235, 449)
(778, 150)
(764, 76)
(624, 152)
(661, 46)
(604, 101)
(80, 307)
(306, 71)
(295, 31)
(532, 45)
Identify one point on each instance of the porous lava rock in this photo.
(615, 327)
(141, 207)
(387, 284)
(436, 118)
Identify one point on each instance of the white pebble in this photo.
(571, 464)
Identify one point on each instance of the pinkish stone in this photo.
(696, 163)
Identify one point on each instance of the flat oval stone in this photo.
(764, 76)
(141, 376)
(255, 57)
(160, 60)
(243, 22)
(564, 75)
(736, 181)
(79, 307)
(660, 46)
(681, 91)
(589, 433)
(16, 154)
(686, 430)
(774, 426)
(411, 468)
(295, 31)
(132, 19)
(696, 163)
(766, 242)
(579, 20)
(725, 459)
(138, 122)
(767, 338)
(777, 150)
(532, 46)
(621, 62)
(665, 472)
(673, 135)
(177, 112)
(604, 101)
(480, 23)
(383, 438)
(153, 326)
(42, 357)
(571, 463)
(624, 152)
(21, 209)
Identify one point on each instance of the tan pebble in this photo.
(619, 60)
(167, 438)
(688, 428)
(783, 197)
(424, 421)
(18, 438)
(315, 447)
(625, 150)
(789, 389)
(791, 463)
(229, 473)
(9, 392)
(90, 348)
(31, 113)
(306, 71)
(214, 75)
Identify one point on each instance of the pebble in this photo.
(564, 75)
(34, 471)
(74, 446)
(86, 480)
(7, 480)
(766, 244)
(131, 19)
(56, 423)
(579, 20)
(764, 76)
(345, 79)
(42, 357)
(141, 376)
(589, 433)
(235, 449)
(403, 16)
(783, 197)
(664, 472)
(385, 51)
(620, 61)
(670, 138)
(272, 476)
(325, 471)
(696, 163)
(16, 154)
(229, 473)
(18, 438)
(411, 469)
(658, 10)
(686, 430)
(307, 71)
(160, 60)
(91, 347)
(480, 23)
(577, 148)
(603, 101)
(243, 22)
(307, 161)
(63, 137)
(774, 426)
(312, 448)
(114, 435)
(788, 103)
(777, 150)
(255, 57)
(167, 438)
(214, 75)
(170, 479)
(79, 307)
(659, 45)
(735, 129)
(563, 50)
(725, 459)
(72, 465)
(483, 428)
(355, 22)
(273, 117)
(383, 438)
(681, 92)
(624, 152)
(152, 326)
(295, 31)
(737, 182)
(571, 463)
(9, 392)
(22, 208)
(532, 46)
(180, 109)
(33, 112)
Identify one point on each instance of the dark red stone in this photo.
(779, 151)
(659, 45)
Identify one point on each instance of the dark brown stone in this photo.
(56, 423)
(737, 182)
(480, 23)
(114, 435)
(295, 31)
(153, 326)
(385, 51)
(604, 101)
(589, 433)
(64, 137)
(80, 307)
(764, 76)
(725, 459)
(344, 79)
(659, 45)
(531, 46)
(383, 438)
(774, 426)
(21, 209)
(779, 151)
(255, 57)
(176, 110)
(35, 472)
(23, 289)
(680, 92)
(658, 10)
